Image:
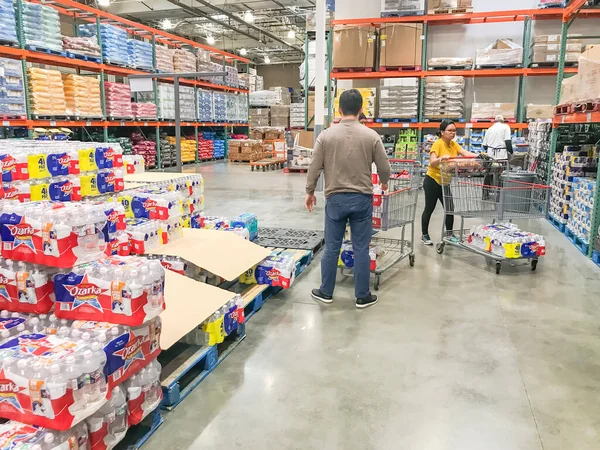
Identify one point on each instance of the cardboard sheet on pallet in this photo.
(134, 185)
(189, 303)
(149, 177)
(224, 254)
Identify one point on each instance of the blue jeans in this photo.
(339, 210)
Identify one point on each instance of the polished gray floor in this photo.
(452, 357)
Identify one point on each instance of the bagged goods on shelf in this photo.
(400, 45)
(507, 240)
(551, 3)
(491, 110)
(539, 111)
(46, 92)
(278, 271)
(144, 393)
(143, 110)
(114, 39)
(41, 26)
(164, 59)
(141, 54)
(15, 435)
(121, 290)
(82, 95)
(118, 100)
(12, 94)
(502, 52)
(8, 23)
(184, 61)
(347, 255)
(446, 61)
(57, 385)
(354, 46)
(81, 45)
(205, 106)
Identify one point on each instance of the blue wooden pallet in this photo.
(90, 58)
(35, 48)
(138, 435)
(397, 120)
(185, 366)
(596, 257)
(582, 246)
(557, 224)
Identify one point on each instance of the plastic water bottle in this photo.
(89, 368)
(118, 404)
(76, 382)
(100, 361)
(147, 285)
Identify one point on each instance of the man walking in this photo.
(497, 141)
(345, 153)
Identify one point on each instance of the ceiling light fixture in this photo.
(104, 3)
(243, 52)
(291, 34)
(267, 60)
(249, 17)
(210, 39)
(166, 24)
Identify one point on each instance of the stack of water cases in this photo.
(219, 107)
(164, 59)
(46, 92)
(41, 27)
(12, 93)
(8, 23)
(115, 49)
(205, 106)
(141, 54)
(59, 170)
(82, 95)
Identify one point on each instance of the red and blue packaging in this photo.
(277, 271)
(26, 291)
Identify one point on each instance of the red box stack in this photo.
(118, 100)
(206, 149)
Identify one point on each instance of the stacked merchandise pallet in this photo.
(82, 95)
(486, 112)
(188, 148)
(476, 141)
(46, 92)
(579, 225)
(297, 118)
(260, 117)
(164, 59)
(12, 92)
(118, 100)
(187, 102)
(573, 162)
(232, 79)
(41, 27)
(141, 54)
(245, 150)
(166, 102)
(369, 96)
(8, 23)
(205, 106)
(206, 149)
(212, 145)
(236, 108)
(444, 98)
(167, 151)
(394, 8)
(546, 50)
(407, 144)
(398, 99)
(82, 46)
(539, 149)
(115, 49)
(184, 61)
(144, 110)
(280, 116)
(219, 107)
(145, 148)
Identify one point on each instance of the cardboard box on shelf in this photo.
(441, 5)
(539, 111)
(446, 61)
(491, 110)
(354, 47)
(305, 138)
(400, 45)
(502, 52)
(402, 7)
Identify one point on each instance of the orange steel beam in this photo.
(571, 9)
(434, 125)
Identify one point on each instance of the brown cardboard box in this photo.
(305, 138)
(502, 52)
(354, 46)
(491, 110)
(257, 133)
(400, 45)
(539, 111)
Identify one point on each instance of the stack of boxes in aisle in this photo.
(573, 162)
(260, 117)
(205, 106)
(488, 111)
(399, 98)
(245, 150)
(82, 95)
(41, 26)
(280, 116)
(12, 92)
(118, 100)
(141, 54)
(164, 59)
(8, 22)
(444, 98)
(582, 208)
(586, 84)
(184, 61)
(297, 111)
(546, 49)
(369, 96)
(402, 7)
(46, 92)
(282, 95)
(219, 107)
(539, 149)
(237, 108)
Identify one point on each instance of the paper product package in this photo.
(444, 97)
(8, 23)
(347, 256)
(38, 401)
(205, 106)
(12, 93)
(502, 52)
(283, 96)
(277, 271)
(354, 47)
(539, 111)
(184, 61)
(115, 49)
(446, 61)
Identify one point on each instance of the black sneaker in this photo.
(366, 302)
(318, 295)
(426, 240)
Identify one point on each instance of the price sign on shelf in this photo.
(122, 123)
(53, 123)
(385, 125)
(5, 123)
(468, 125)
(589, 117)
(562, 120)
(145, 124)
(405, 125)
(88, 124)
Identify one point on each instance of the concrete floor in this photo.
(452, 357)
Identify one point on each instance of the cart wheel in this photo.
(440, 247)
(534, 265)
(376, 283)
(252, 168)
(411, 259)
(498, 268)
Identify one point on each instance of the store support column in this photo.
(320, 46)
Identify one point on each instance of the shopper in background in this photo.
(497, 141)
(442, 149)
(346, 153)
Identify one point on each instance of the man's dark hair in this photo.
(351, 102)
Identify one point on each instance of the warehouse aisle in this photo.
(453, 356)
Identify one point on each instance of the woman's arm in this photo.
(466, 153)
(434, 160)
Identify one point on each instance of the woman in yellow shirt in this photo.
(444, 148)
